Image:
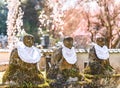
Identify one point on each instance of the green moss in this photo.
(45, 85)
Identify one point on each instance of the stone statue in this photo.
(22, 70)
(99, 65)
(64, 67)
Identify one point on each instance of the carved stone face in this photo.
(28, 40)
(68, 42)
(100, 41)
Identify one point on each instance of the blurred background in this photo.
(50, 20)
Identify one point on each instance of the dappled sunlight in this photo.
(1, 75)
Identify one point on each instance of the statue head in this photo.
(28, 40)
(100, 40)
(68, 42)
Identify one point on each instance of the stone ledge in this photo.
(83, 50)
(77, 50)
(4, 50)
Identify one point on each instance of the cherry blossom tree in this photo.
(109, 18)
(78, 17)
(14, 21)
(81, 19)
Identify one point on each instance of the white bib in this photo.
(28, 54)
(102, 52)
(69, 55)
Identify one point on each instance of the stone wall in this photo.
(4, 56)
(114, 60)
(81, 54)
